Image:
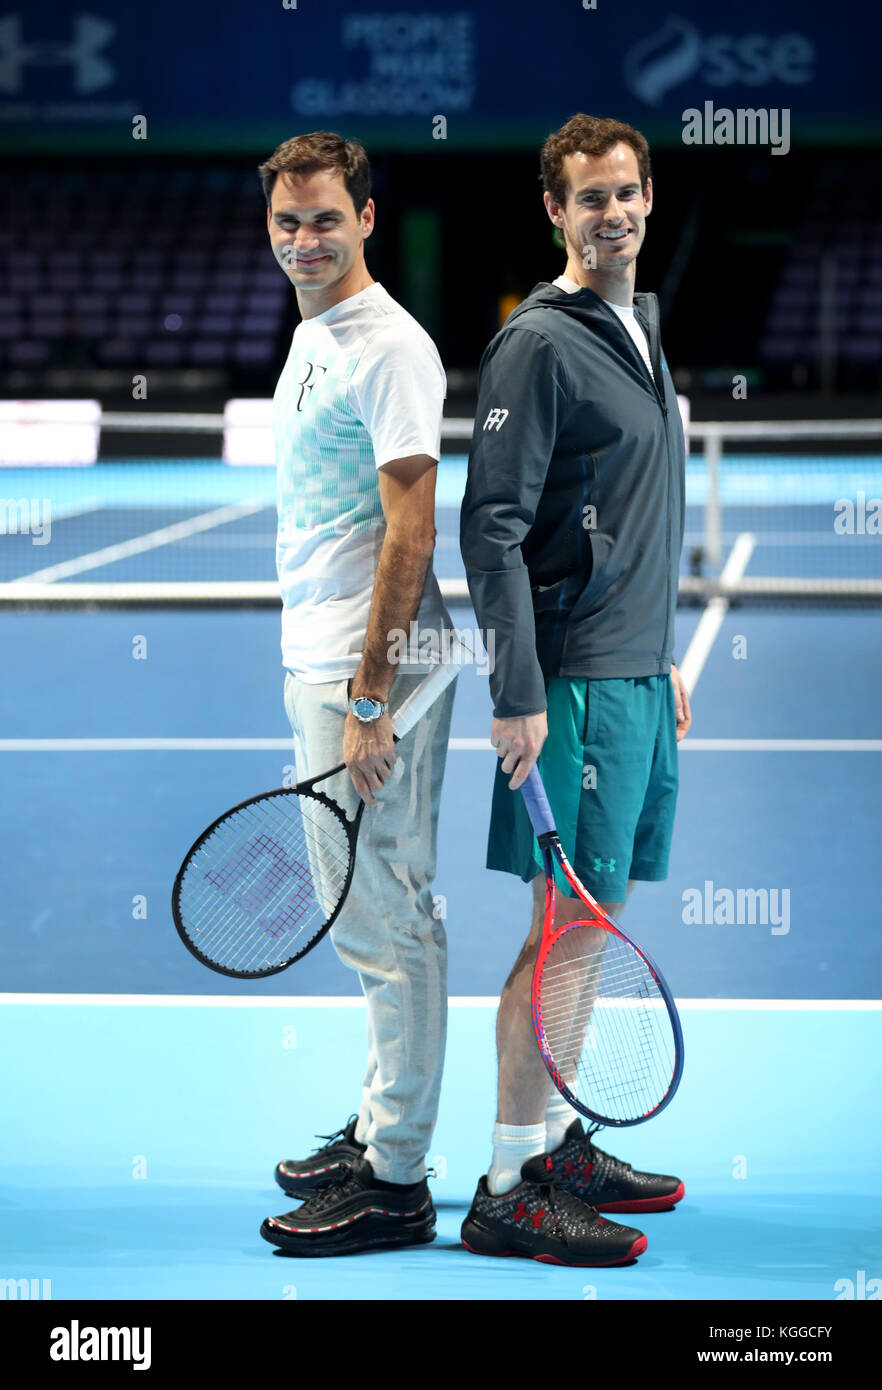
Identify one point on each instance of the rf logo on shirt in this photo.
(496, 419)
(306, 384)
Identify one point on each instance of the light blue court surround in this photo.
(205, 1101)
(756, 479)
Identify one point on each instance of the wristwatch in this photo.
(366, 709)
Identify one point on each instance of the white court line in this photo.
(726, 745)
(782, 745)
(456, 745)
(711, 620)
(145, 745)
(166, 535)
(464, 1001)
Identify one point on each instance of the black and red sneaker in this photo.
(540, 1221)
(301, 1177)
(607, 1183)
(355, 1213)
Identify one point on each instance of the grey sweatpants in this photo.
(387, 929)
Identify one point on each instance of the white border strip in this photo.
(457, 745)
(467, 1001)
(782, 745)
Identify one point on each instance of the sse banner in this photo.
(227, 75)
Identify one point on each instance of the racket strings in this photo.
(266, 881)
(606, 1024)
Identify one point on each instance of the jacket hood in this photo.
(584, 304)
(588, 308)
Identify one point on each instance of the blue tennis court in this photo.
(150, 1099)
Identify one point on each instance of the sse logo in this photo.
(678, 51)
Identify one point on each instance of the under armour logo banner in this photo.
(90, 71)
(496, 419)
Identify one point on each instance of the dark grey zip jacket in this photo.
(572, 521)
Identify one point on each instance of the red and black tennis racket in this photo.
(267, 880)
(604, 1018)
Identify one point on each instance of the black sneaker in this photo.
(540, 1221)
(301, 1177)
(607, 1183)
(354, 1214)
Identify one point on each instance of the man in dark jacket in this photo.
(571, 531)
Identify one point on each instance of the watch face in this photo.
(365, 708)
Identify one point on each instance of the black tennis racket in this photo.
(264, 882)
(604, 1018)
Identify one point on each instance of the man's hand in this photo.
(681, 700)
(518, 742)
(369, 754)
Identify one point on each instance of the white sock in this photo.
(512, 1146)
(559, 1115)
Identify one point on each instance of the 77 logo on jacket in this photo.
(496, 419)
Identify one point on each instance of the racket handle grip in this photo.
(431, 686)
(538, 808)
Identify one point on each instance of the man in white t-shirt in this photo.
(357, 425)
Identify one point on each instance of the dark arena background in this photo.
(143, 325)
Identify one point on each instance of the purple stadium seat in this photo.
(133, 325)
(216, 325)
(168, 354)
(773, 349)
(92, 325)
(107, 282)
(47, 326)
(89, 303)
(134, 303)
(203, 351)
(185, 282)
(27, 353)
(146, 282)
(114, 350)
(254, 350)
(221, 303)
(261, 302)
(257, 325)
(177, 303)
(863, 349)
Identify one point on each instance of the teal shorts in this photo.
(609, 767)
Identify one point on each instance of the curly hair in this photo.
(593, 135)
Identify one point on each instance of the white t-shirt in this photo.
(626, 314)
(363, 384)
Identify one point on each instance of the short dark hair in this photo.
(593, 135)
(321, 149)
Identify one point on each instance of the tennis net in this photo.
(179, 510)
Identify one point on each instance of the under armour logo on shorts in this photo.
(599, 864)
